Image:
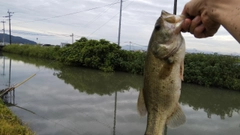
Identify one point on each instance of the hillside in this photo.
(16, 39)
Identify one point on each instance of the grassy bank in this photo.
(10, 124)
(202, 69)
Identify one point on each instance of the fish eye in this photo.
(157, 27)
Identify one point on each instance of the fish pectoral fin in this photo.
(141, 104)
(182, 70)
(177, 118)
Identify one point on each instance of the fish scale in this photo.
(163, 75)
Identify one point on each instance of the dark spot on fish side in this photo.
(167, 102)
(166, 70)
(153, 69)
(155, 109)
(157, 27)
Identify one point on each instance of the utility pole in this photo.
(37, 40)
(175, 7)
(72, 37)
(3, 31)
(120, 21)
(119, 37)
(130, 43)
(9, 19)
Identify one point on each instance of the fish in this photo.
(163, 75)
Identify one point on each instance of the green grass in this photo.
(10, 124)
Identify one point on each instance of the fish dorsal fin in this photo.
(181, 69)
(141, 104)
(177, 118)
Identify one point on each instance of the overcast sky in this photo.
(53, 21)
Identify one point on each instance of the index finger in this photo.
(184, 11)
(189, 12)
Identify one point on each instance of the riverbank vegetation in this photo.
(213, 70)
(10, 124)
(203, 69)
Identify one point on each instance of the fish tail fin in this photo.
(141, 104)
(177, 118)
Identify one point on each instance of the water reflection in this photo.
(87, 80)
(115, 114)
(211, 100)
(10, 73)
(3, 67)
(95, 82)
(107, 101)
(9, 97)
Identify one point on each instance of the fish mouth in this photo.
(171, 18)
(174, 19)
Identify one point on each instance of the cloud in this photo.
(62, 18)
(23, 32)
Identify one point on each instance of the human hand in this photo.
(199, 21)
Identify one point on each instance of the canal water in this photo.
(63, 100)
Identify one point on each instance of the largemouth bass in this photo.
(163, 75)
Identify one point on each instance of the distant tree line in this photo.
(203, 69)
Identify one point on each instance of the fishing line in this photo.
(67, 14)
(95, 30)
(72, 49)
(75, 108)
(109, 20)
(107, 125)
(99, 15)
(66, 35)
(40, 115)
(56, 113)
(50, 63)
(90, 34)
(27, 110)
(57, 16)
